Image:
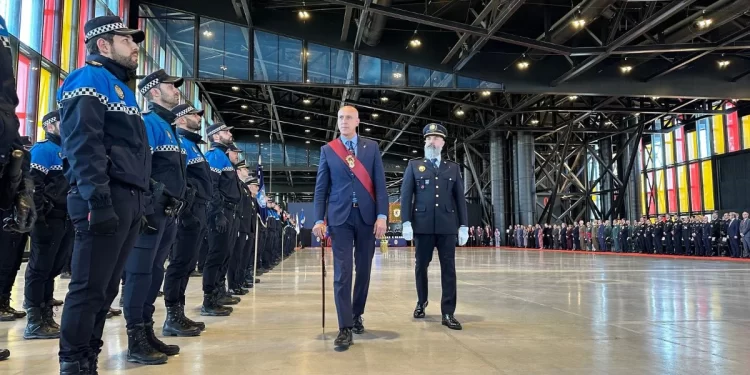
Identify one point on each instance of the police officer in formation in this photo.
(246, 216)
(52, 236)
(108, 164)
(435, 216)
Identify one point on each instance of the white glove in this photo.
(406, 231)
(463, 235)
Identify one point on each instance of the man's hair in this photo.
(91, 46)
(149, 96)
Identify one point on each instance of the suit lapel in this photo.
(430, 166)
(361, 149)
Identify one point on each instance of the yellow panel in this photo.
(692, 146)
(661, 192)
(718, 134)
(45, 102)
(669, 148)
(682, 188)
(746, 132)
(708, 185)
(68, 32)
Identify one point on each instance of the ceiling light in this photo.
(486, 93)
(723, 63)
(236, 88)
(306, 53)
(534, 122)
(252, 121)
(704, 22)
(397, 75)
(523, 65)
(626, 69)
(244, 106)
(579, 23)
(608, 122)
(308, 142)
(257, 136)
(208, 34)
(413, 151)
(375, 115)
(573, 97)
(384, 99)
(307, 118)
(405, 159)
(415, 42)
(636, 114)
(303, 15)
(307, 130)
(367, 129)
(460, 112)
(306, 100)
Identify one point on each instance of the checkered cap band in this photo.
(167, 148)
(149, 86)
(186, 111)
(105, 29)
(50, 120)
(220, 128)
(39, 167)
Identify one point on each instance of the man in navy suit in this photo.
(350, 193)
(734, 236)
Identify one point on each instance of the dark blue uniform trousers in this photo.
(238, 264)
(446, 245)
(50, 250)
(184, 256)
(144, 269)
(230, 255)
(220, 246)
(13, 245)
(96, 269)
(352, 232)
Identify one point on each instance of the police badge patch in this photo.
(422, 168)
(119, 92)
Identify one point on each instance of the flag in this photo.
(301, 219)
(296, 223)
(261, 196)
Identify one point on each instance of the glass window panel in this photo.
(746, 132)
(669, 148)
(11, 12)
(46, 96)
(266, 56)
(370, 70)
(704, 142)
(708, 185)
(318, 63)
(671, 191)
(169, 43)
(114, 6)
(419, 77)
(49, 38)
(342, 67)
(733, 131)
(658, 151)
(682, 186)
(651, 186)
(467, 83)
(692, 146)
(441, 79)
(68, 41)
(31, 23)
(695, 187)
(22, 90)
(290, 60)
(679, 145)
(224, 50)
(83, 16)
(648, 157)
(100, 9)
(718, 133)
(661, 197)
(124, 10)
(392, 73)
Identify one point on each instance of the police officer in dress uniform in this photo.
(108, 163)
(668, 233)
(144, 269)
(707, 248)
(247, 275)
(16, 201)
(434, 213)
(222, 231)
(659, 236)
(192, 226)
(245, 215)
(52, 236)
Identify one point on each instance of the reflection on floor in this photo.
(524, 312)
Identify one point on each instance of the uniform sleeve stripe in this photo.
(216, 170)
(56, 168)
(195, 160)
(167, 148)
(119, 107)
(84, 91)
(40, 168)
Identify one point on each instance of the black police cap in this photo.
(154, 79)
(217, 127)
(233, 147)
(26, 141)
(50, 118)
(252, 181)
(186, 109)
(110, 24)
(434, 129)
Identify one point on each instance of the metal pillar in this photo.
(631, 206)
(523, 149)
(467, 176)
(497, 180)
(605, 151)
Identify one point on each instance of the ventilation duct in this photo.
(374, 25)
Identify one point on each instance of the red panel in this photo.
(679, 144)
(695, 187)
(24, 65)
(48, 34)
(83, 17)
(124, 5)
(733, 132)
(651, 187)
(671, 191)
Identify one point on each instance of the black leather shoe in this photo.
(451, 322)
(238, 291)
(140, 350)
(200, 325)
(115, 312)
(419, 310)
(55, 302)
(49, 317)
(74, 368)
(4, 354)
(226, 299)
(247, 285)
(196, 273)
(344, 339)
(359, 325)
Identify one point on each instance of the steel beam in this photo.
(465, 36)
(500, 19)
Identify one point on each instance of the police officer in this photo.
(105, 147)
(52, 236)
(250, 280)
(222, 211)
(668, 233)
(434, 211)
(686, 236)
(233, 154)
(15, 185)
(246, 217)
(192, 226)
(677, 236)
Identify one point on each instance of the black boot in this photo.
(211, 308)
(200, 325)
(74, 368)
(94, 361)
(344, 338)
(140, 350)
(169, 350)
(224, 298)
(238, 291)
(6, 312)
(4, 354)
(176, 325)
(49, 317)
(37, 327)
(56, 302)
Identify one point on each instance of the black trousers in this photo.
(13, 245)
(669, 246)
(239, 260)
(219, 248)
(184, 255)
(224, 269)
(203, 252)
(50, 250)
(96, 270)
(446, 246)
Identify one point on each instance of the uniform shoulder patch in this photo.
(119, 92)
(94, 63)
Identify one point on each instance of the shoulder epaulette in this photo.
(94, 63)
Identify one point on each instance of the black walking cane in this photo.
(323, 278)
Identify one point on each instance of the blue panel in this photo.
(290, 60)
(370, 70)
(318, 63)
(342, 67)
(419, 77)
(392, 73)
(266, 57)
(704, 142)
(223, 50)
(441, 79)
(468, 83)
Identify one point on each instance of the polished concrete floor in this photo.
(524, 312)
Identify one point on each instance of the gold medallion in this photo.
(422, 168)
(350, 161)
(433, 127)
(119, 92)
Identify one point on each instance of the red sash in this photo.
(355, 165)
